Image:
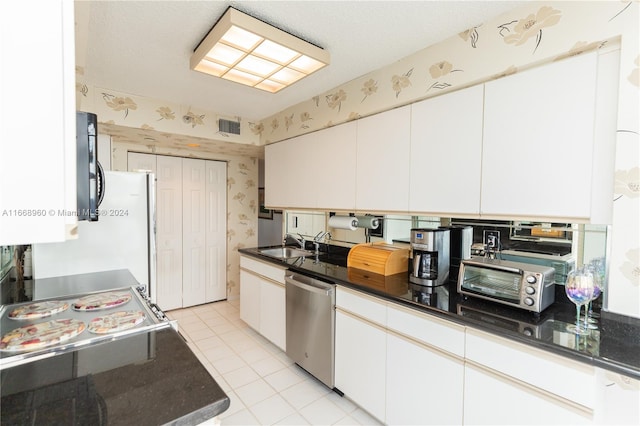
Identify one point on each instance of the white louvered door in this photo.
(216, 231)
(193, 232)
(169, 232)
(191, 198)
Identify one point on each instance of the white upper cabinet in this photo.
(316, 170)
(333, 167)
(38, 142)
(446, 151)
(539, 140)
(382, 166)
(287, 176)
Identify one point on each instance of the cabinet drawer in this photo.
(362, 305)
(261, 268)
(434, 332)
(558, 375)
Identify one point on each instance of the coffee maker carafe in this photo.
(430, 258)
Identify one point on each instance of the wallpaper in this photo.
(536, 33)
(141, 124)
(242, 200)
(531, 35)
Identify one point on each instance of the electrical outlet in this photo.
(492, 240)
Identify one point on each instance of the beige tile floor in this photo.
(264, 385)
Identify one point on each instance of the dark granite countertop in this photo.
(146, 379)
(614, 346)
(149, 378)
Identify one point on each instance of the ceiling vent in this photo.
(229, 126)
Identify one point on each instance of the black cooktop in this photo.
(145, 379)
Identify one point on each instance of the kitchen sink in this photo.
(286, 252)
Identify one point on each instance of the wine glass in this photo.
(580, 287)
(597, 267)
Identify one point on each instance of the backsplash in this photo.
(533, 34)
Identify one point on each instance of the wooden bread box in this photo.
(379, 258)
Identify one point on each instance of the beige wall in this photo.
(154, 126)
(533, 34)
(242, 196)
(536, 33)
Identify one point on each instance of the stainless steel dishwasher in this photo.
(310, 311)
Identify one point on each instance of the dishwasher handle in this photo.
(309, 284)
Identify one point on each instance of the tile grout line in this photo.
(260, 343)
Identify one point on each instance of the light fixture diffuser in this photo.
(246, 50)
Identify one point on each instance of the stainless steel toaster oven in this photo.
(517, 284)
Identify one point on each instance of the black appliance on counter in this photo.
(460, 241)
(89, 173)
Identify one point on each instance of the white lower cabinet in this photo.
(361, 360)
(617, 399)
(263, 300)
(425, 368)
(507, 382)
(492, 399)
(424, 386)
(388, 365)
(408, 367)
(250, 298)
(273, 324)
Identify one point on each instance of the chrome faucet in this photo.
(300, 239)
(319, 237)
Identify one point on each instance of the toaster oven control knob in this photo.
(528, 301)
(530, 290)
(531, 279)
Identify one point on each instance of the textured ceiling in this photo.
(143, 47)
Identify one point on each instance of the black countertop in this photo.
(149, 378)
(614, 346)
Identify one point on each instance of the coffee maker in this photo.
(429, 258)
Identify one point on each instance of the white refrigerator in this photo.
(123, 237)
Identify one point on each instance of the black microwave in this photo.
(89, 175)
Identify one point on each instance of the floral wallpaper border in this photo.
(530, 35)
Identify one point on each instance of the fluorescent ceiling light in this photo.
(246, 50)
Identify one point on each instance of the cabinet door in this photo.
(493, 400)
(617, 399)
(539, 139)
(38, 149)
(288, 174)
(360, 365)
(215, 231)
(193, 232)
(250, 299)
(333, 167)
(137, 161)
(273, 313)
(571, 380)
(446, 153)
(423, 386)
(382, 166)
(169, 231)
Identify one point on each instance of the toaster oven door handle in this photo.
(495, 267)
